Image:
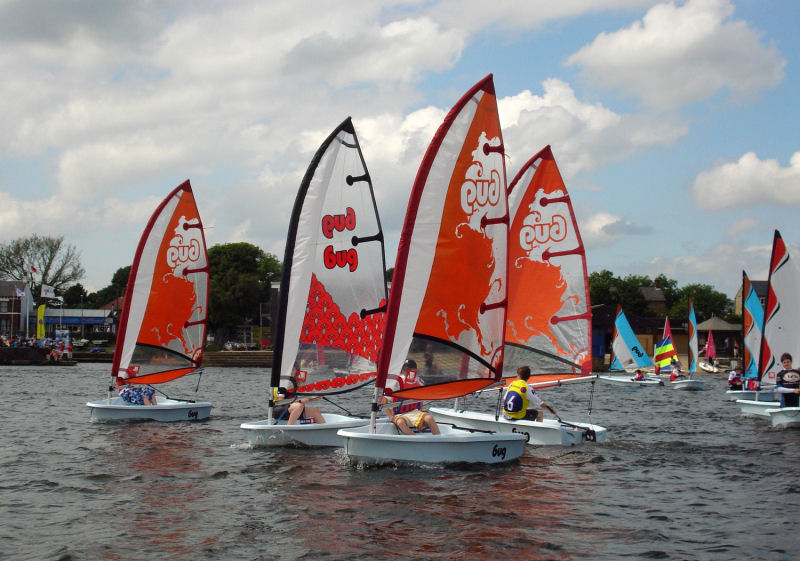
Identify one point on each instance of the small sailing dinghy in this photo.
(780, 333)
(549, 325)
(667, 362)
(628, 354)
(752, 322)
(162, 328)
(333, 295)
(448, 296)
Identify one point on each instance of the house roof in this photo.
(718, 324)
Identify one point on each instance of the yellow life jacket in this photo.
(515, 402)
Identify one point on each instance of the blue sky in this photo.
(675, 124)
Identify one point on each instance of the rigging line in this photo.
(168, 397)
(339, 406)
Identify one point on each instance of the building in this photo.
(13, 301)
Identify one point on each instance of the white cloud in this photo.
(748, 181)
(747, 224)
(680, 54)
(603, 228)
(583, 135)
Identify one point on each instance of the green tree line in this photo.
(242, 273)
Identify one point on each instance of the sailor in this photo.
(520, 395)
(787, 382)
(735, 378)
(297, 410)
(405, 416)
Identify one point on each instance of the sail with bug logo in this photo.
(163, 323)
(333, 289)
(628, 351)
(549, 324)
(447, 306)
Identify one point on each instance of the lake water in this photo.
(681, 477)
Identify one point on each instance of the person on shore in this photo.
(520, 395)
(297, 410)
(787, 382)
(735, 379)
(405, 416)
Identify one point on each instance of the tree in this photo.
(706, 301)
(241, 275)
(41, 260)
(113, 291)
(75, 296)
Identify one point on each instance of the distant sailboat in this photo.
(667, 358)
(162, 328)
(333, 294)
(781, 328)
(627, 355)
(780, 333)
(448, 293)
(752, 324)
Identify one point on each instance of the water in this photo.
(682, 477)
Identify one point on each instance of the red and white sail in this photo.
(333, 289)
(781, 333)
(163, 324)
(549, 326)
(448, 296)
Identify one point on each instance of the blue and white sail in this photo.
(752, 323)
(628, 351)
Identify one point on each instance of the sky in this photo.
(675, 124)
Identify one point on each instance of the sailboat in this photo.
(628, 354)
(448, 294)
(333, 294)
(549, 323)
(752, 323)
(781, 331)
(162, 328)
(667, 356)
(710, 352)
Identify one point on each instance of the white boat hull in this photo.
(707, 366)
(167, 410)
(784, 417)
(688, 385)
(763, 395)
(388, 445)
(628, 381)
(750, 408)
(549, 432)
(262, 433)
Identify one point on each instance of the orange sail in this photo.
(163, 324)
(549, 312)
(448, 292)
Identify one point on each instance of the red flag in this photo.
(711, 350)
